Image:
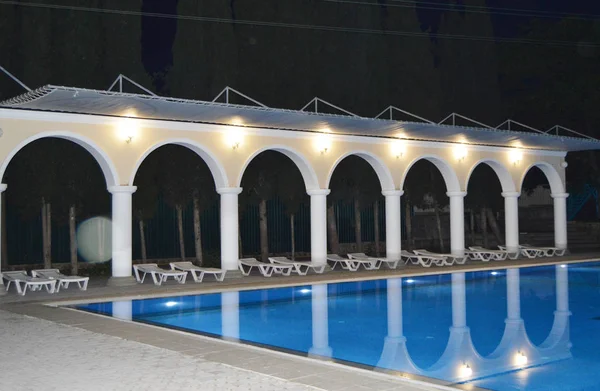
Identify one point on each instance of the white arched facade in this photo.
(120, 157)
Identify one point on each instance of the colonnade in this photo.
(122, 225)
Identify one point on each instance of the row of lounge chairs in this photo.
(50, 279)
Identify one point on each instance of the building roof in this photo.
(110, 103)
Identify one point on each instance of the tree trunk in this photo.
(483, 218)
(491, 218)
(357, 226)
(438, 221)
(240, 247)
(264, 234)
(44, 231)
(408, 224)
(376, 223)
(46, 234)
(179, 209)
(332, 235)
(472, 226)
(142, 240)
(293, 234)
(197, 230)
(73, 239)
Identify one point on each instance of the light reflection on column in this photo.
(320, 322)
(230, 315)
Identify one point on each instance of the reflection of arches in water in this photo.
(320, 322)
(460, 360)
(230, 315)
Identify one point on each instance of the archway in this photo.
(175, 206)
(273, 206)
(53, 184)
(536, 206)
(355, 204)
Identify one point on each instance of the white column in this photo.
(2, 189)
(121, 233)
(511, 221)
(230, 315)
(513, 294)
(457, 222)
(393, 233)
(229, 228)
(560, 219)
(459, 301)
(318, 226)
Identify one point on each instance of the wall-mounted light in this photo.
(398, 148)
(520, 358)
(128, 127)
(516, 155)
(564, 164)
(465, 370)
(234, 138)
(460, 152)
(323, 143)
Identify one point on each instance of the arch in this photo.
(308, 173)
(106, 165)
(553, 177)
(382, 171)
(216, 168)
(506, 181)
(450, 177)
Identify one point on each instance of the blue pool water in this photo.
(517, 329)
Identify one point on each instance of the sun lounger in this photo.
(353, 264)
(546, 251)
(514, 255)
(158, 275)
(266, 269)
(483, 254)
(63, 280)
(423, 260)
(391, 263)
(33, 283)
(301, 268)
(529, 252)
(198, 272)
(451, 259)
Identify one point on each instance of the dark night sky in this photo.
(158, 34)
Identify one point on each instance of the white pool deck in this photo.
(46, 347)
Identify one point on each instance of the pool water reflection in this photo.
(501, 330)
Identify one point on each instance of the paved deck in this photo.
(58, 348)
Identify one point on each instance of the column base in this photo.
(233, 274)
(121, 281)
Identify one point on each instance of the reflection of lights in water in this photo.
(563, 266)
(305, 290)
(171, 303)
(94, 239)
(465, 370)
(410, 281)
(494, 273)
(520, 358)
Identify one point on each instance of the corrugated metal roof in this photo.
(109, 103)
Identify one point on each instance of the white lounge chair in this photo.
(513, 255)
(450, 259)
(198, 272)
(391, 263)
(546, 251)
(266, 269)
(33, 283)
(301, 268)
(423, 260)
(529, 252)
(158, 275)
(353, 264)
(63, 280)
(483, 254)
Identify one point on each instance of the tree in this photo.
(292, 190)
(145, 198)
(484, 193)
(203, 196)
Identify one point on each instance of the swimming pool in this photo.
(517, 329)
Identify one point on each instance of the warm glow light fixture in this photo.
(465, 370)
(323, 143)
(398, 148)
(520, 358)
(516, 155)
(234, 137)
(460, 152)
(127, 126)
